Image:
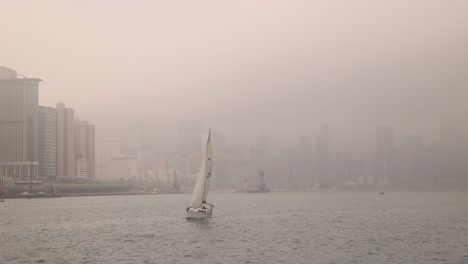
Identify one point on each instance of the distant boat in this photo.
(198, 207)
(2, 190)
(262, 188)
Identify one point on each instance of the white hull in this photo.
(196, 213)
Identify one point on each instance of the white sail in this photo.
(203, 180)
(208, 167)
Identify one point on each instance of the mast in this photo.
(209, 163)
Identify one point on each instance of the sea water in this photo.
(294, 227)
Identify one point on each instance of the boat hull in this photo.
(197, 213)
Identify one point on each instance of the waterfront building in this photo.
(106, 149)
(47, 142)
(81, 167)
(18, 125)
(65, 141)
(85, 146)
(123, 168)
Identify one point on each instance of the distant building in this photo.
(323, 160)
(65, 141)
(188, 137)
(385, 155)
(7, 73)
(81, 167)
(106, 149)
(123, 168)
(47, 142)
(303, 164)
(135, 140)
(85, 145)
(19, 151)
(146, 161)
(161, 163)
(179, 163)
(166, 176)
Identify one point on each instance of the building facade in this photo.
(106, 149)
(65, 141)
(123, 168)
(18, 125)
(84, 146)
(47, 142)
(385, 156)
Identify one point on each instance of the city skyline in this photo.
(391, 161)
(340, 91)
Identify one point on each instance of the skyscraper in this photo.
(84, 149)
(47, 141)
(188, 137)
(18, 125)
(304, 163)
(106, 149)
(410, 160)
(385, 155)
(323, 161)
(65, 141)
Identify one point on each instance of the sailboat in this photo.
(198, 207)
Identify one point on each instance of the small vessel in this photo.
(198, 207)
(2, 190)
(262, 188)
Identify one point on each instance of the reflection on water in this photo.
(334, 227)
(201, 224)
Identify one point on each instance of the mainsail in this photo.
(208, 167)
(202, 184)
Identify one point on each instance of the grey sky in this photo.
(246, 67)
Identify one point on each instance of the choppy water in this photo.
(328, 227)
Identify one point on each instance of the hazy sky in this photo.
(246, 67)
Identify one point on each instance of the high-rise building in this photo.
(410, 160)
(84, 147)
(303, 164)
(123, 168)
(106, 149)
(189, 134)
(18, 125)
(385, 156)
(65, 141)
(145, 161)
(323, 159)
(7, 73)
(47, 142)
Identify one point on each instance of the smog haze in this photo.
(246, 68)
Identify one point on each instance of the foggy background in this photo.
(246, 68)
